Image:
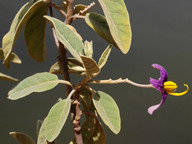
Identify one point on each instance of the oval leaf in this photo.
(17, 25)
(6, 77)
(35, 34)
(79, 8)
(41, 136)
(104, 57)
(13, 58)
(91, 66)
(39, 82)
(22, 138)
(99, 24)
(118, 20)
(56, 119)
(74, 66)
(67, 37)
(108, 111)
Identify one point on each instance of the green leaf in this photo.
(99, 24)
(92, 69)
(92, 131)
(38, 126)
(39, 82)
(78, 8)
(119, 24)
(6, 77)
(88, 48)
(22, 138)
(74, 66)
(41, 136)
(56, 119)
(108, 110)
(67, 37)
(86, 94)
(104, 57)
(17, 25)
(13, 58)
(35, 34)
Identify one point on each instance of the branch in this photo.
(68, 19)
(59, 9)
(120, 80)
(81, 14)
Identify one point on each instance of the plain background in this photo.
(162, 33)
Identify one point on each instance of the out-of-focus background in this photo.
(162, 33)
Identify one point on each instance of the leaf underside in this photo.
(39, 82)
(108, 110)
(56, 119)
(117, 17)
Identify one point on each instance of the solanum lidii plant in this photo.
(81, 99)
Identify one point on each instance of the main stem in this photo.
(62, 59)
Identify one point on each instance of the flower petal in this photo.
(156, 84)
(163, 73)
(155, 107)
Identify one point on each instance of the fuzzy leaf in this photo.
(104, 57)
(67, 37)
(22, 138)
(78, 8)
(91, 66)
(17, 25)
(35, 34)
(108, 110)
(56, 118)
(99, 24)
(41, 136)
(39, 82)
(88, 48)
(6, 77)
(119, 24)
(92, 131)
(74, 66)
(13, 58)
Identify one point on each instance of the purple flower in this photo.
(164, 86)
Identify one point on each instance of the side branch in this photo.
(120, 80)
(59, 9)
(81, 14)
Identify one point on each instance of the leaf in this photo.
(35, 34)
(17, 25)
(41, 136)
(74, 66)
(88, 48)
(99, 24)
(108, 110)
(75, 31)
(56, 119)
(91, 66)
(119, 24)
(67, 37)
(86, 95)
(22, 138)
(13, 58)
(79, 8)
(39, 124)
(104, 57)
(92, 131)
(6, 77)
(39, 82)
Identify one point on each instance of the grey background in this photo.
(162, 34)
